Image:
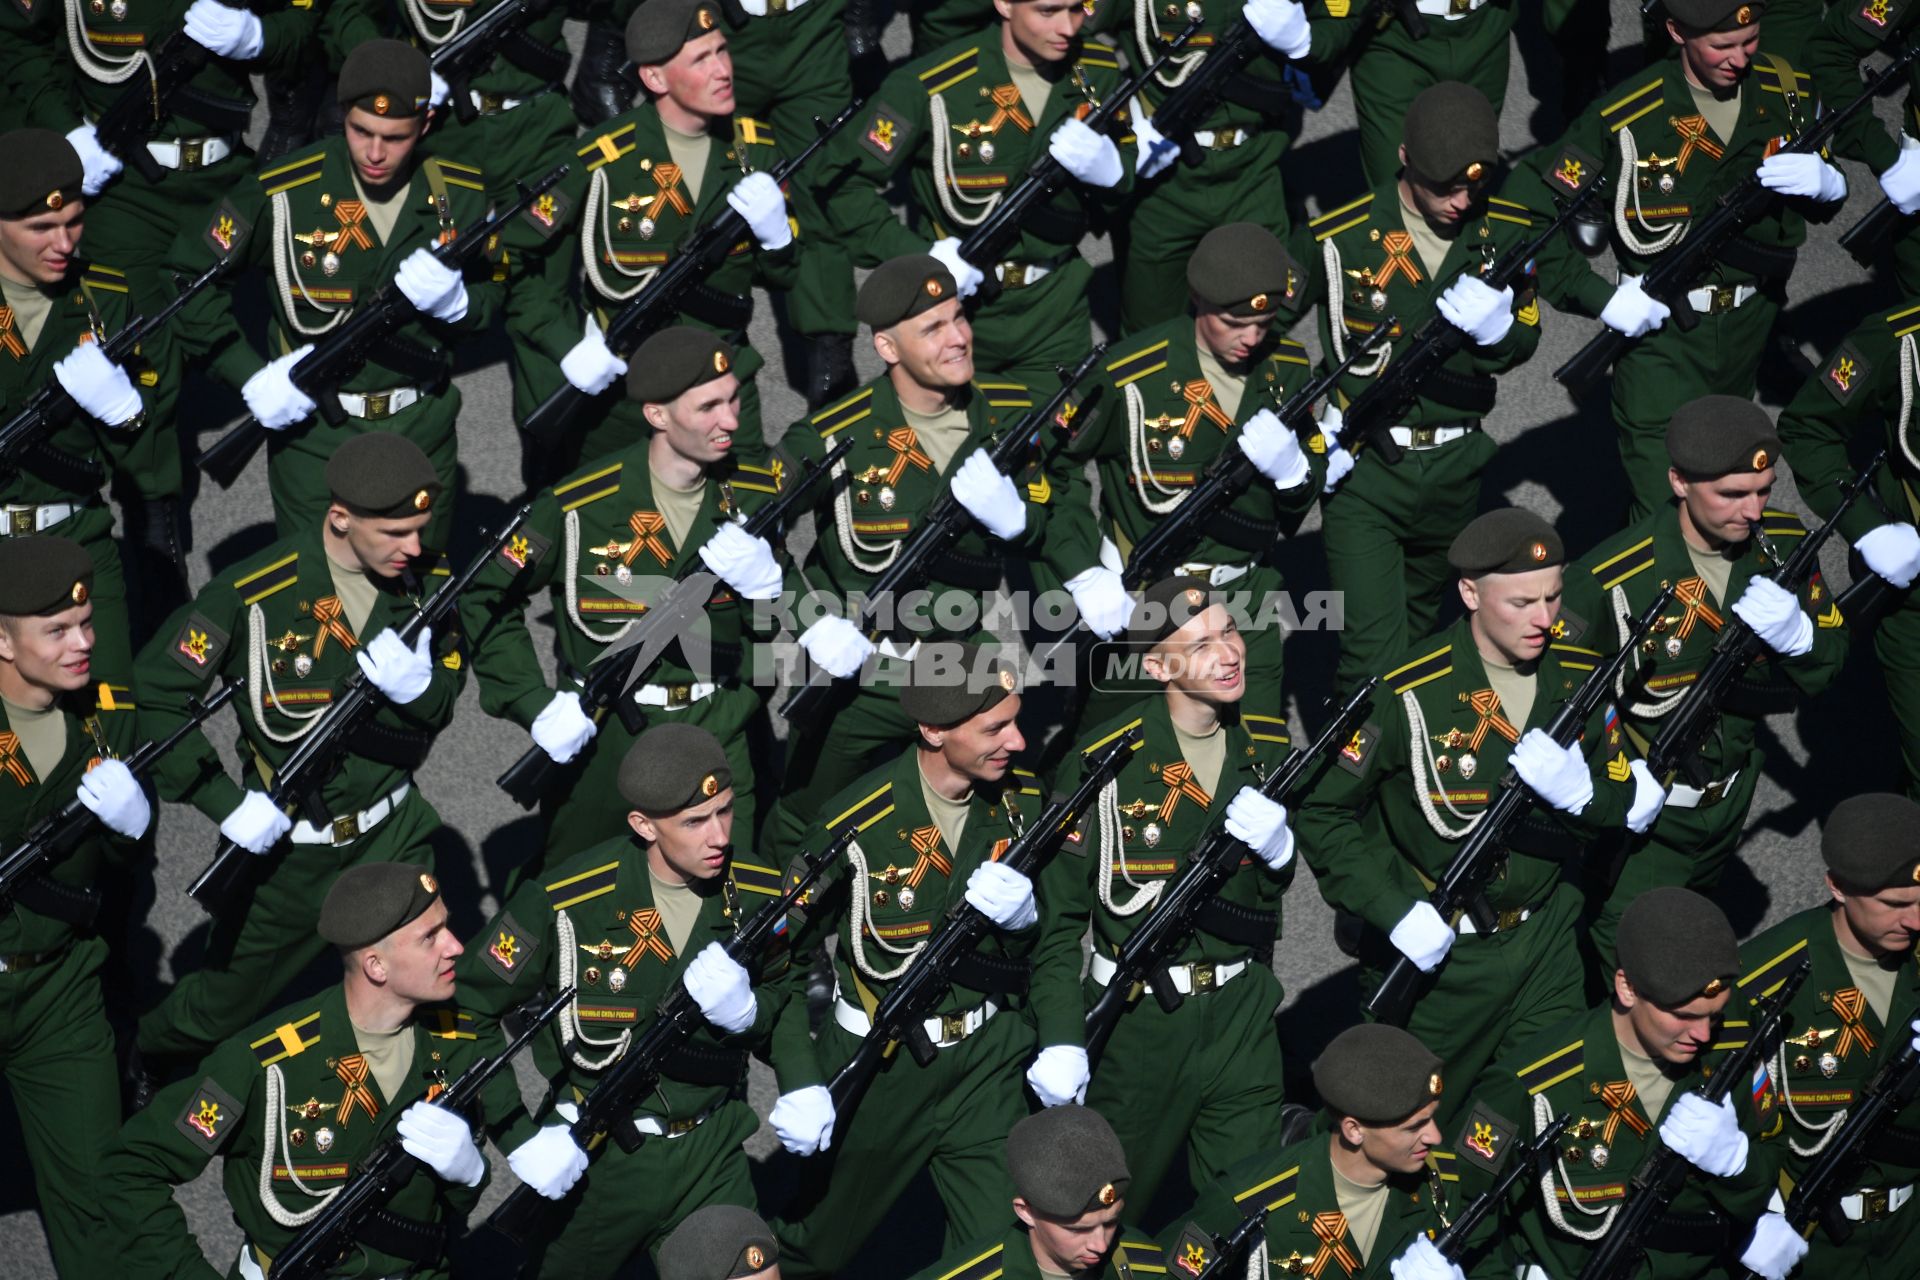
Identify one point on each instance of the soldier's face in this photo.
(381, 147)
(1885, 923)
(1040, 31)
(700, 423)
(1443, 207)
(1513, 613)
(691, 844)
(415, 961)
(1676, 1035)
(1232, 341)
(1206, 659)
(1716, 59)
(1072, 1245)
(53, 653)
(698, 79)
(1719, 510)
(934, 348)
(1396, 1148)
(39, 249)
(384, 546)
(981, 747)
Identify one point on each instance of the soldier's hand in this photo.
(1775, 1248)
(402, 674)
(1003, 896)
(1059, 1075)
(757, 198)
(1477, 309)
(989, 496)
(1261, 824)
(1649, 797)
(1706, 1135)
(966, 276)
(836, 647)
(231, 33)
(590, 364)
(1557, 774)
(256, 823)
(563, 729)
(721, 988)
(803, 1120)
(1892, 551)
(98, 385)
(114, 795)
(1089, 156)
(441, 1140)
(434, 288)
(1631, 311)
(271, 396)
(1776, 617)
(1901, 181)
(438, 90)
(550, 1162)
(1339, 466)
(1102, 599)
(1793, 173)
(1153, 151)
(1421, 1260)
(1915, 1028)
(743, 562)
(1281, 25)
(1273, 449)
(99, 165)
(1422, 937)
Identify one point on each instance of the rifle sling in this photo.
(1470, 393)
(690, 1063)
(996, 975)
(422, 1243)
(215, 112)
(57, 466)
(728, 312)
(1706, 1234)
(972, 573)
(1764, 262)
(70, 904)
(1243, 926)
(1242, 532)
(390, 745)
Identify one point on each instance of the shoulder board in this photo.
(1637, 102)
(1559, 1065)
(1026, 782)
(1878, 16)
(1007, 395)
(1904, 322)
(1334, 221)
(99, 277)
(1771, 972)
(1444, 1164)
(1507, 211)
(1427, 667)
(113, 697)
(1093, 54)
(1287, 351)
(261, 583)
(1138, 364)
(1485, 1137)
(753, 133)
(1575, 658)
(459, 175)
(288, 1040)
(982, 1266)
(1092, 747)
(1734, 1035)
(576, 889)
(579, 491)
(945, 75)
(868, 810)
(1265, 728)
(1143, 1254)
(607, 147)
(447, 1022)
(1271, 1193)
(296, 173)
(1769, 78)
(844, 414)
(751, 877)
(758, 479)
(1782, 524)
(1618, 568)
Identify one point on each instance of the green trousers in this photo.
(1026, 331)
(1393, 69)
(1885, 1250)
(297, 462)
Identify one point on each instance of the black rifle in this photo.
(528, 778)
(386, 1170)
(608, 1107)
(297, 783)
(1200, 1254)
(658, 304)
(1864, 238)
(1460, 885)
(23, 438)
(1664, 1171)
(1684, 265)
(345, 350)
(1521, 1164)
(913, 996)
(471, 52)
(1142, 959)
(1188, 107)
(132, 118)
(945, 521)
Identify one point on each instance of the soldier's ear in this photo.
(6, 639)
(1469, 593)
(885, 347)
(643, 826)
(1623, 992)
(653, 79)
(1023, 1211)
(1838, 894)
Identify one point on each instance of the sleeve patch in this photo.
(1844, 373)
(1572, 171)
(1878, 16)
(511, 949)
(210, 1114)
(1569, 626)
(1357, 756)
(226, 229)
(548, 213)
(1484, 1138)
(199, 645)
(523, 550)
(887, 132)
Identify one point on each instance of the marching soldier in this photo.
(720, 1242)
(369, 1053)
(1846, 35)
(296, 620)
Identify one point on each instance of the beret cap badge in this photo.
(1743, 15)
(1714, 987)
(1006, 680)
(1476, 171)
(1760, 459)
(1258, 302)
(1196, 597)
(1434, 1084)
(382, 104)
(1107, 1194)
(709, 786)
(706, 18)
(720, 362)
(55, 200)
(756, 1257)
(934, 288)
(79, 593)
(422, 499)
(428, 883)
(1538, 551)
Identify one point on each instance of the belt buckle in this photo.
(1225, 139)
(190, 153)
(679, 695)
(1873, 1204)
(1013, 275)
(953, 1028)
(22, 519)
(1460, 6)
(1723, 297)
(1423, 437)
(1506, 920)
(346, 827)
(490, 103)
(675, 1128)
(1205, 978)
(377, 403)
(1715, 790)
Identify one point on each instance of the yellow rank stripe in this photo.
(1600, 570)
(1278, 734)
(1508, 217)
(285, 1041)
(1131, 724)
(450, 1025)
(1290, 1178)
(1761, 971)
(1006, 402)
(966, 1268)
(1579, 1065)
(937, 80)
(1349, 207)
(766, 874)
(288, 571)
(1415, 670)
(1123, 369)
(1608, 113)
(866, 819)
(1287, 353)
(112, 282)
(559, 886)
(299, 173)
(832, 419)
(114, 697)
(1348, 225)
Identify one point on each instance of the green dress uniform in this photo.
(1697, 831)
(278, 619)
(1848, 34)
(594, 922)
(39, 89)
(1387, 528)
(1382, 824)
(305, 222)
(882, 902)
(1838, 1039)
(1010, 1257)
(290, 1106)
(1208, 1074)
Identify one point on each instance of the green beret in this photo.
(1676, 946)
(719, 1242)
(673, 766)
(1869, 842)
(1715, 15)
(659, 29)
(1720, 435)
(42, 172)
(1452, 134)
(953, 681)
(370, 901)
(1508, 540)
(381, 474)
(1166, 606)
(1066, 1161)
(390, 78)
(675, 361)
(901, 288)
(42, 575)
(1243, 269)
(1377, 1074)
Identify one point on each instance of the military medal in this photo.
(646, 228)
(298, 1137)
(622, 574)
(1377, 299)
(592, 975)
(1599, 1155)
(331, 263)
(118, 9)
(1801, 1063)
(1175, 447)
(986, 151)
(617, 980)
(302, 665)
(1673, 646)
(887, 498)
(1575, 1154)
(1829, 1065)
(323, 1140)
(1151, 834)
(881, 898)
(308, 261)
(1468, 763)
(1666, 184)
(1442, 763)
(907, 897)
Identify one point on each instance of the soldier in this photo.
(1451, 715)
(1717, 109)
(297, 619)
(1209, 1073)
(1412, 246)
(930, 822)
(1855, 1012)
(1723, 451)
(720, 1242)
(371, 1053)
(626, 921)
(1847, 34)
(66, 729)
(337, 221)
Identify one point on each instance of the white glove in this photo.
(563, 728)
(1102, 600)
(271, 396)
(1153, 151)
(256, 823)
(1557, 774)
(1003, 896)
(1631, 311)
(966, 276)
(231, 33)
(745, 562)
(1649, 797)
(1422, 937)
(803, 1120)
(1059, 1075)
(1915, 1028)
(1273, 449)
(1282, 25)
(758, 199)
(1901, 181)
(1339, 464)
(434, 288)
(1793, 173)
(1472, 306)
(114, 795)
(99, 166)
(1705, 1135)
(989, 496)
(1776, 617)
(402, 674)
(1775, 1248)
(441, 1140)
(1422, 1261)
(721, 988)
(836, 647)
(590, 364)
(1091, 157)
(98, 385)
(438, 90)
(1261, 825)
(1892, 551)
(550, 1161)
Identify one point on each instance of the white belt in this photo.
(655, 1127)
(28, 518)
(1704, 298)
(250, 1269)
(1187, 978)
(1018, 275)
(347, 829)
(944, 1032)
(888, 649)
(674, 695)
(1504, 921)
(1217, 575)
(761, 8)
(1527, 1271)
(491, 104)
(375, 405)
(190, 153)
(1855, 1206)
(1451, 10)
(1221, 139)
(1427, 437)
(1682, 796)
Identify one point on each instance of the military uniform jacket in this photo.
(303, 216)
(275, 619)
(1011, 1258)
(33, 42)
(526, 63)
(598, 542)
(1381, 825)
(1256, 97)
(291, 1108)
(1614, 583)
(1146, 822)
(1847, 34)
(1348, 29)
(592, 924)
